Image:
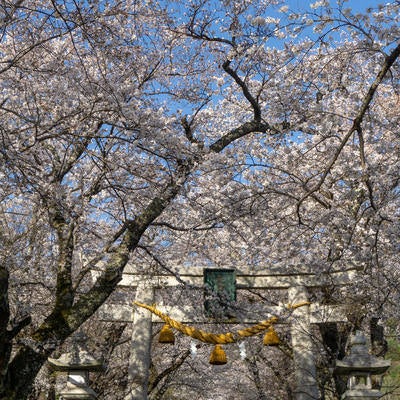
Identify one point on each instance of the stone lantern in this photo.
(359, 366)
(77, 363)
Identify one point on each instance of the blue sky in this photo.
(359, 5)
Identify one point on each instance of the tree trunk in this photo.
(5, 345)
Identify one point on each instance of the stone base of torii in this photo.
(295, 282)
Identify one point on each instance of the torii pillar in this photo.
(140, 345)
(303, 353)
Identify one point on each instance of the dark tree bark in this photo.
(378, 342)
(334, 341)
(5, 343)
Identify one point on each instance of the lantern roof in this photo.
(78, 359)
(360, 360)
(73, 361)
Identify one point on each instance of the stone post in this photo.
(303, 354)
(140, 351)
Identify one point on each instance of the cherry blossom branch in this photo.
(163, 265)
(356, 126)
(167, 371)
(201, 34)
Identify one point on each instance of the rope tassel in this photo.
(166, 335)
(218, 356)
(271, 338)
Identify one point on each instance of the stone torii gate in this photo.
(296, 282)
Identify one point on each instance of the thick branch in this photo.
(19, 325)
(188, 131)
(245, 90)
(191, 229)
(389, 61)
(64, 229)
(237, 133)
(64, 288)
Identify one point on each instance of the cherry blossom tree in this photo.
(195, 132)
